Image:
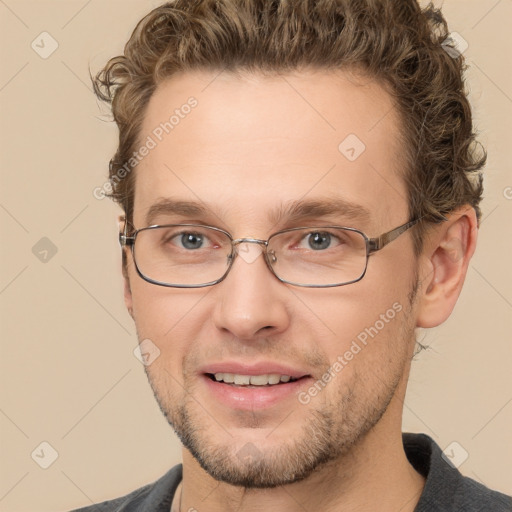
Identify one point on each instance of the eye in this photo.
(189, 240)
(319, 240)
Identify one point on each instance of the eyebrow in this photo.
(338, 207)
(290, 211)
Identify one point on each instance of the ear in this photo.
(446, 254)
(124, 269)
(127, 292)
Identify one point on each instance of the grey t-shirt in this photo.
(446, 490)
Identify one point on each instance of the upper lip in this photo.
(261, 368)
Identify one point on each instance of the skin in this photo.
(252, 143)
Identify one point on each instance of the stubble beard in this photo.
(329, 431)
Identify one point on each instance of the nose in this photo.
(251, 301)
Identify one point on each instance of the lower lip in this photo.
(250, 398)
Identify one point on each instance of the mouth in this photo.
(253, 381)
(242, 392)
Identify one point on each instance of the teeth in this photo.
(253, 380)
(242, 379)
(228, 377)
(259, 380)
(274, 379)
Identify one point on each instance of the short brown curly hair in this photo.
(395, 42)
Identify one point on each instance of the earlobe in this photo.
(445, 261)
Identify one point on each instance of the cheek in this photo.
(343, 314)
(365, 321)
(167, 316)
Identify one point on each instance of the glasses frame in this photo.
(372, 246)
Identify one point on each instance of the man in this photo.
(300, 192)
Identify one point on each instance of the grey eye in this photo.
(319, 240)
(191, 240)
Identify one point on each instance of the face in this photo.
(246, 150)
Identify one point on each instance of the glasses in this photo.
(195, 256)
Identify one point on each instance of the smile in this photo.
(252, 380)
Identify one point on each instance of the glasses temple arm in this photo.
(376, 244)
(124, 239)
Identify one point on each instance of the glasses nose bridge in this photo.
(236, 243)
(258, 241)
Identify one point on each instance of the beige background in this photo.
(69, 376)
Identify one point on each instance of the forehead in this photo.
(251, 142)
